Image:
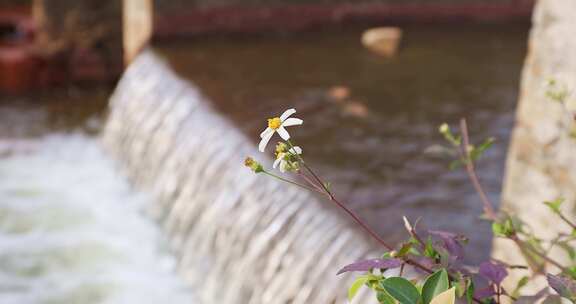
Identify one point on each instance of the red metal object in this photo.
(16, 27)
(17, 64)
(17, 70)
(22, 69)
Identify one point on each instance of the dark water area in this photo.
(59, 110)
(371, 145)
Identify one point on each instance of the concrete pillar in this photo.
(541, 164)
(137, 24)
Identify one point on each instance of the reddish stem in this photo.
(471, 170)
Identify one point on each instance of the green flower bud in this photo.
(281, 148)
(253, 165)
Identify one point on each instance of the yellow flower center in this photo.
(274, 123)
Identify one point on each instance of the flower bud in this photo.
(281, 148)
(444, 129)
(253, 165)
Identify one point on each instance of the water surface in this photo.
(370, 145)
(72, 231)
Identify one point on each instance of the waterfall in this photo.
(238, 237)
(72, 231)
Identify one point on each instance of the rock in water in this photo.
(383, 41)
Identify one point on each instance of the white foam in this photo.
(72, 231)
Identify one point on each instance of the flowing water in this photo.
(264, 241)
(73, 231)
(371, 145)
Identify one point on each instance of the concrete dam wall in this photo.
(238, 237)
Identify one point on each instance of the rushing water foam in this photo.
(72, 231)
(238, 237)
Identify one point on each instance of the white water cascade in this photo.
(237, 237)
(73, 232)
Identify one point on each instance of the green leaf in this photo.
(401, 290)
(503, 229)
(498, 229)
(404, 250)
(429, 250)
(460, 284)
(435, 284)
(470, 292)
(555, 205)
(571, 272)
(353, 290)
(521, 283)
(444, 129)
(384, 298)
(478, 151)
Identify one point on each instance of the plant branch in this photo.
(567, 221)
(412, 231)
(471, 170)
(371, 232)
(523, 245)
(488, 206)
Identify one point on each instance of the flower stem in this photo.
(317, 183)
(289, 181)
(371, 232)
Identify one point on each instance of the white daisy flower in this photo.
(278, 124)
(285, 159)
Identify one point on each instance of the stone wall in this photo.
(542, 159)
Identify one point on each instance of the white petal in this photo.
(283, 133)
(265, 132)
(292, 122)
(283, 166)
(276, 162)
(265, 141)
(287, 114)
(296, 150)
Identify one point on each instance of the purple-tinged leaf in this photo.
(564, 286)
(424, 261)
(451, 243)
(493, 272)
(443, 234)
(366, 265)
(484, 292)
